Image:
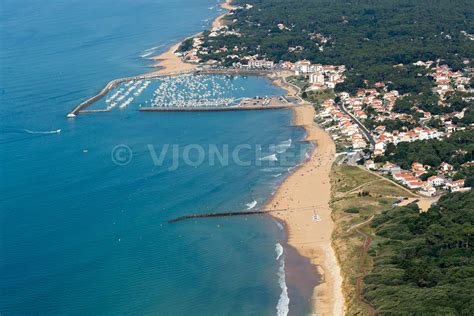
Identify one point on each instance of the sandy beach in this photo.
(170, 64)
(308, 186)
(218, 22)
(307, 192)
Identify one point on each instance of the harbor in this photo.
(196, 90)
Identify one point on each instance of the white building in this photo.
(316, 78)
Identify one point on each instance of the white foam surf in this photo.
(273, 169)
(153, 48)
(279, 225)
(278, 250)
(284, 300)
(271, 157)
(283, 146)
(251, 205)
(147, 54)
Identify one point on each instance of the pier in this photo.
(234, 71)
(215, 109)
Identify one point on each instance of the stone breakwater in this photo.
(111, 85)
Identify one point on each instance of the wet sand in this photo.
(309, 185)
(307, 192)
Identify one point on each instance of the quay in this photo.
(215, 109)
(232, 71)
(246, 104)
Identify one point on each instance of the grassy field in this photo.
(299, 81)
(318, 97)
(357, 196)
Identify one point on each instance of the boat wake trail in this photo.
(57, 131)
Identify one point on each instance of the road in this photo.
(364, 130)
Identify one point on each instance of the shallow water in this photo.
(83, 225)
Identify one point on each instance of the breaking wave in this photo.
(271, 157)
(278, 250)
(284, 300)
(147, 54)
(251, 205)
(280, 226)
(282, 147)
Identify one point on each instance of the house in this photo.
(427, 190)
(417, 166)
(302, 67)
(378, 152)
(370, 165)
(436, 181)
(395, 169)
(316, 78)
(260, 64)
(390, 167)
(397, 176)
(380, 146)
(445, 167)
(419, 173)
(454, 185)
(414, 184)
(407, 177)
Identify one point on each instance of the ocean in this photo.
(84, 211)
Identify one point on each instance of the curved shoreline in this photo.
(170, 64)
(308, 185)
(305, 192)
(304, 235)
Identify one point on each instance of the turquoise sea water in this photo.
(83, 233)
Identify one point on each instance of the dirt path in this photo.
(361, 265)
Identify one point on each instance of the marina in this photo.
(195, 91)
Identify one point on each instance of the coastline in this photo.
(312, 239)
(170, 64)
